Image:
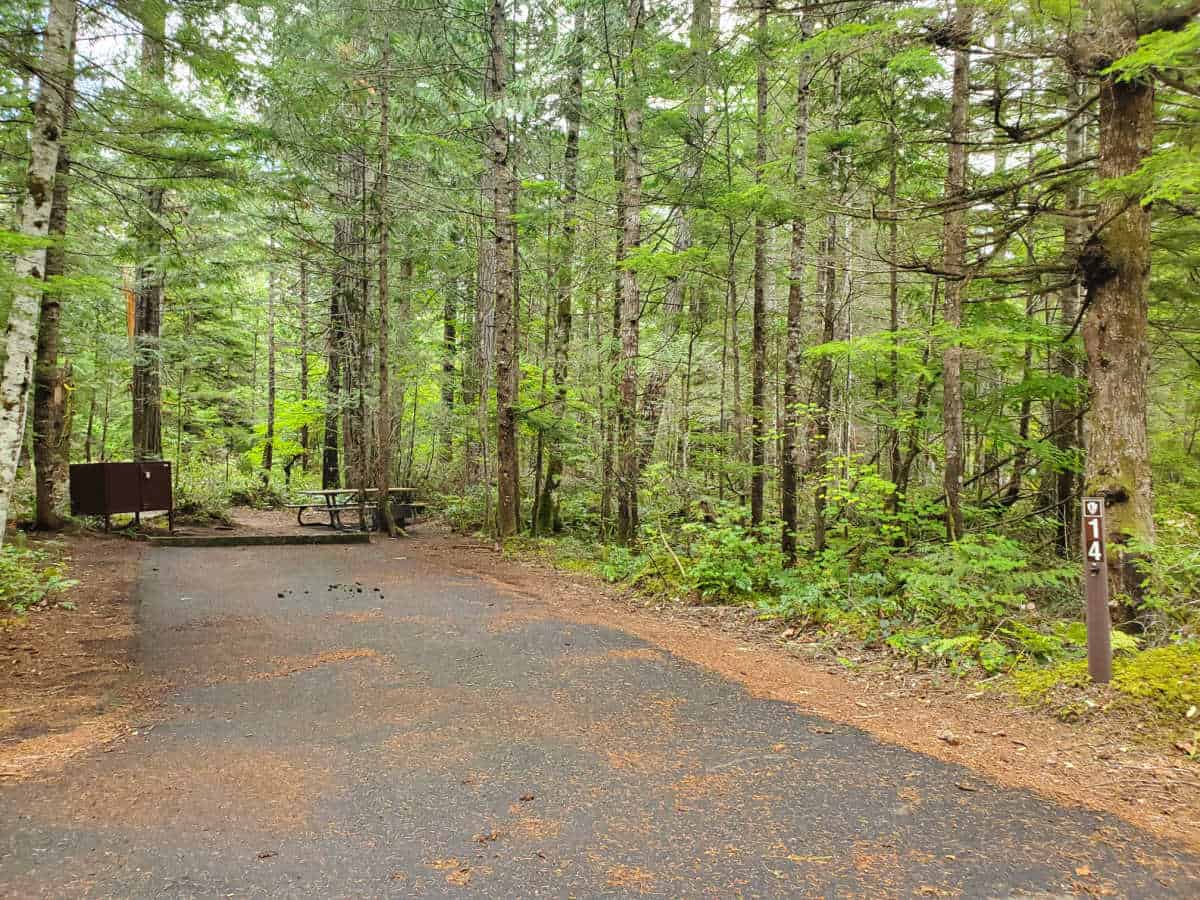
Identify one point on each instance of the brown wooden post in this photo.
(1095, 580)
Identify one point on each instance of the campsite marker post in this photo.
(1095, 580)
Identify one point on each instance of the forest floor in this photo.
(374, 718)
(69, 678)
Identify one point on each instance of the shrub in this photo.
(1171, 569)
(976, 582)
(29, 577)
(201, 504)
(468, 512)
(257, 495)
(971, 602)
(729, 561)
(618, 564)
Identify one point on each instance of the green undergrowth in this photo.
(31, 577)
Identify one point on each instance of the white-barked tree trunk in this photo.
(20, 334)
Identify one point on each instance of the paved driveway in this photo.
(355, 721)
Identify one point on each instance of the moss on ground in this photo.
(1161, 684)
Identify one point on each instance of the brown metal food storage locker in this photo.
(102, 489)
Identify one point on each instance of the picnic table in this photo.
(333, 502)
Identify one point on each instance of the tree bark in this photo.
(954, 241)
(383, 421)
(508, 498)
(609, 454)
(823, 393)
(305, 436)
(758, 377)
(51, 437)
(628, 469)
(1065, 413)
(20, 334)
(356, 429)
(151, 279)
(1116, 273)
(268, 457)
(695, 140)
(449, 351)
(793, 356)
(340, 297)
(894, 432)
(547, 518)
(477, 382)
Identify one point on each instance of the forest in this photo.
(834, 308)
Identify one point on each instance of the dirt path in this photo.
(385, 720)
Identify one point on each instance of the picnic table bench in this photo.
(333, 502)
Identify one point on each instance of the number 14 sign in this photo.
(1093, 532)
(1095, 580)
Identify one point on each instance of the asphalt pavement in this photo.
(356, 722)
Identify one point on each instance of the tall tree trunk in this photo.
(341, 289)
(894, 432)
(954, 242)
(823, 393)
(449, 352)
(1065, 413)
(790, 455)
(383, 415)
(51, 439)
(547, 517)
(20, 334)
(104, 419)
(631, 232)
(356, 429)
(1116, 273)
(305, 436)
(508, 498)
(609, 454)
(478, 384)
(699, 38)
(1012, 491)
(151, 279)
(697, 138)
(268, 457)
(758, 378)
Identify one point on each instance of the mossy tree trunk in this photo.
(1116, 271)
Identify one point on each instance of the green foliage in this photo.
(976, 582)
(30, 577)
(620, 564)
(201, 503)
(1164, 50)
(1171, 568)
(466, 513)
(966, 603)
(728, 561)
